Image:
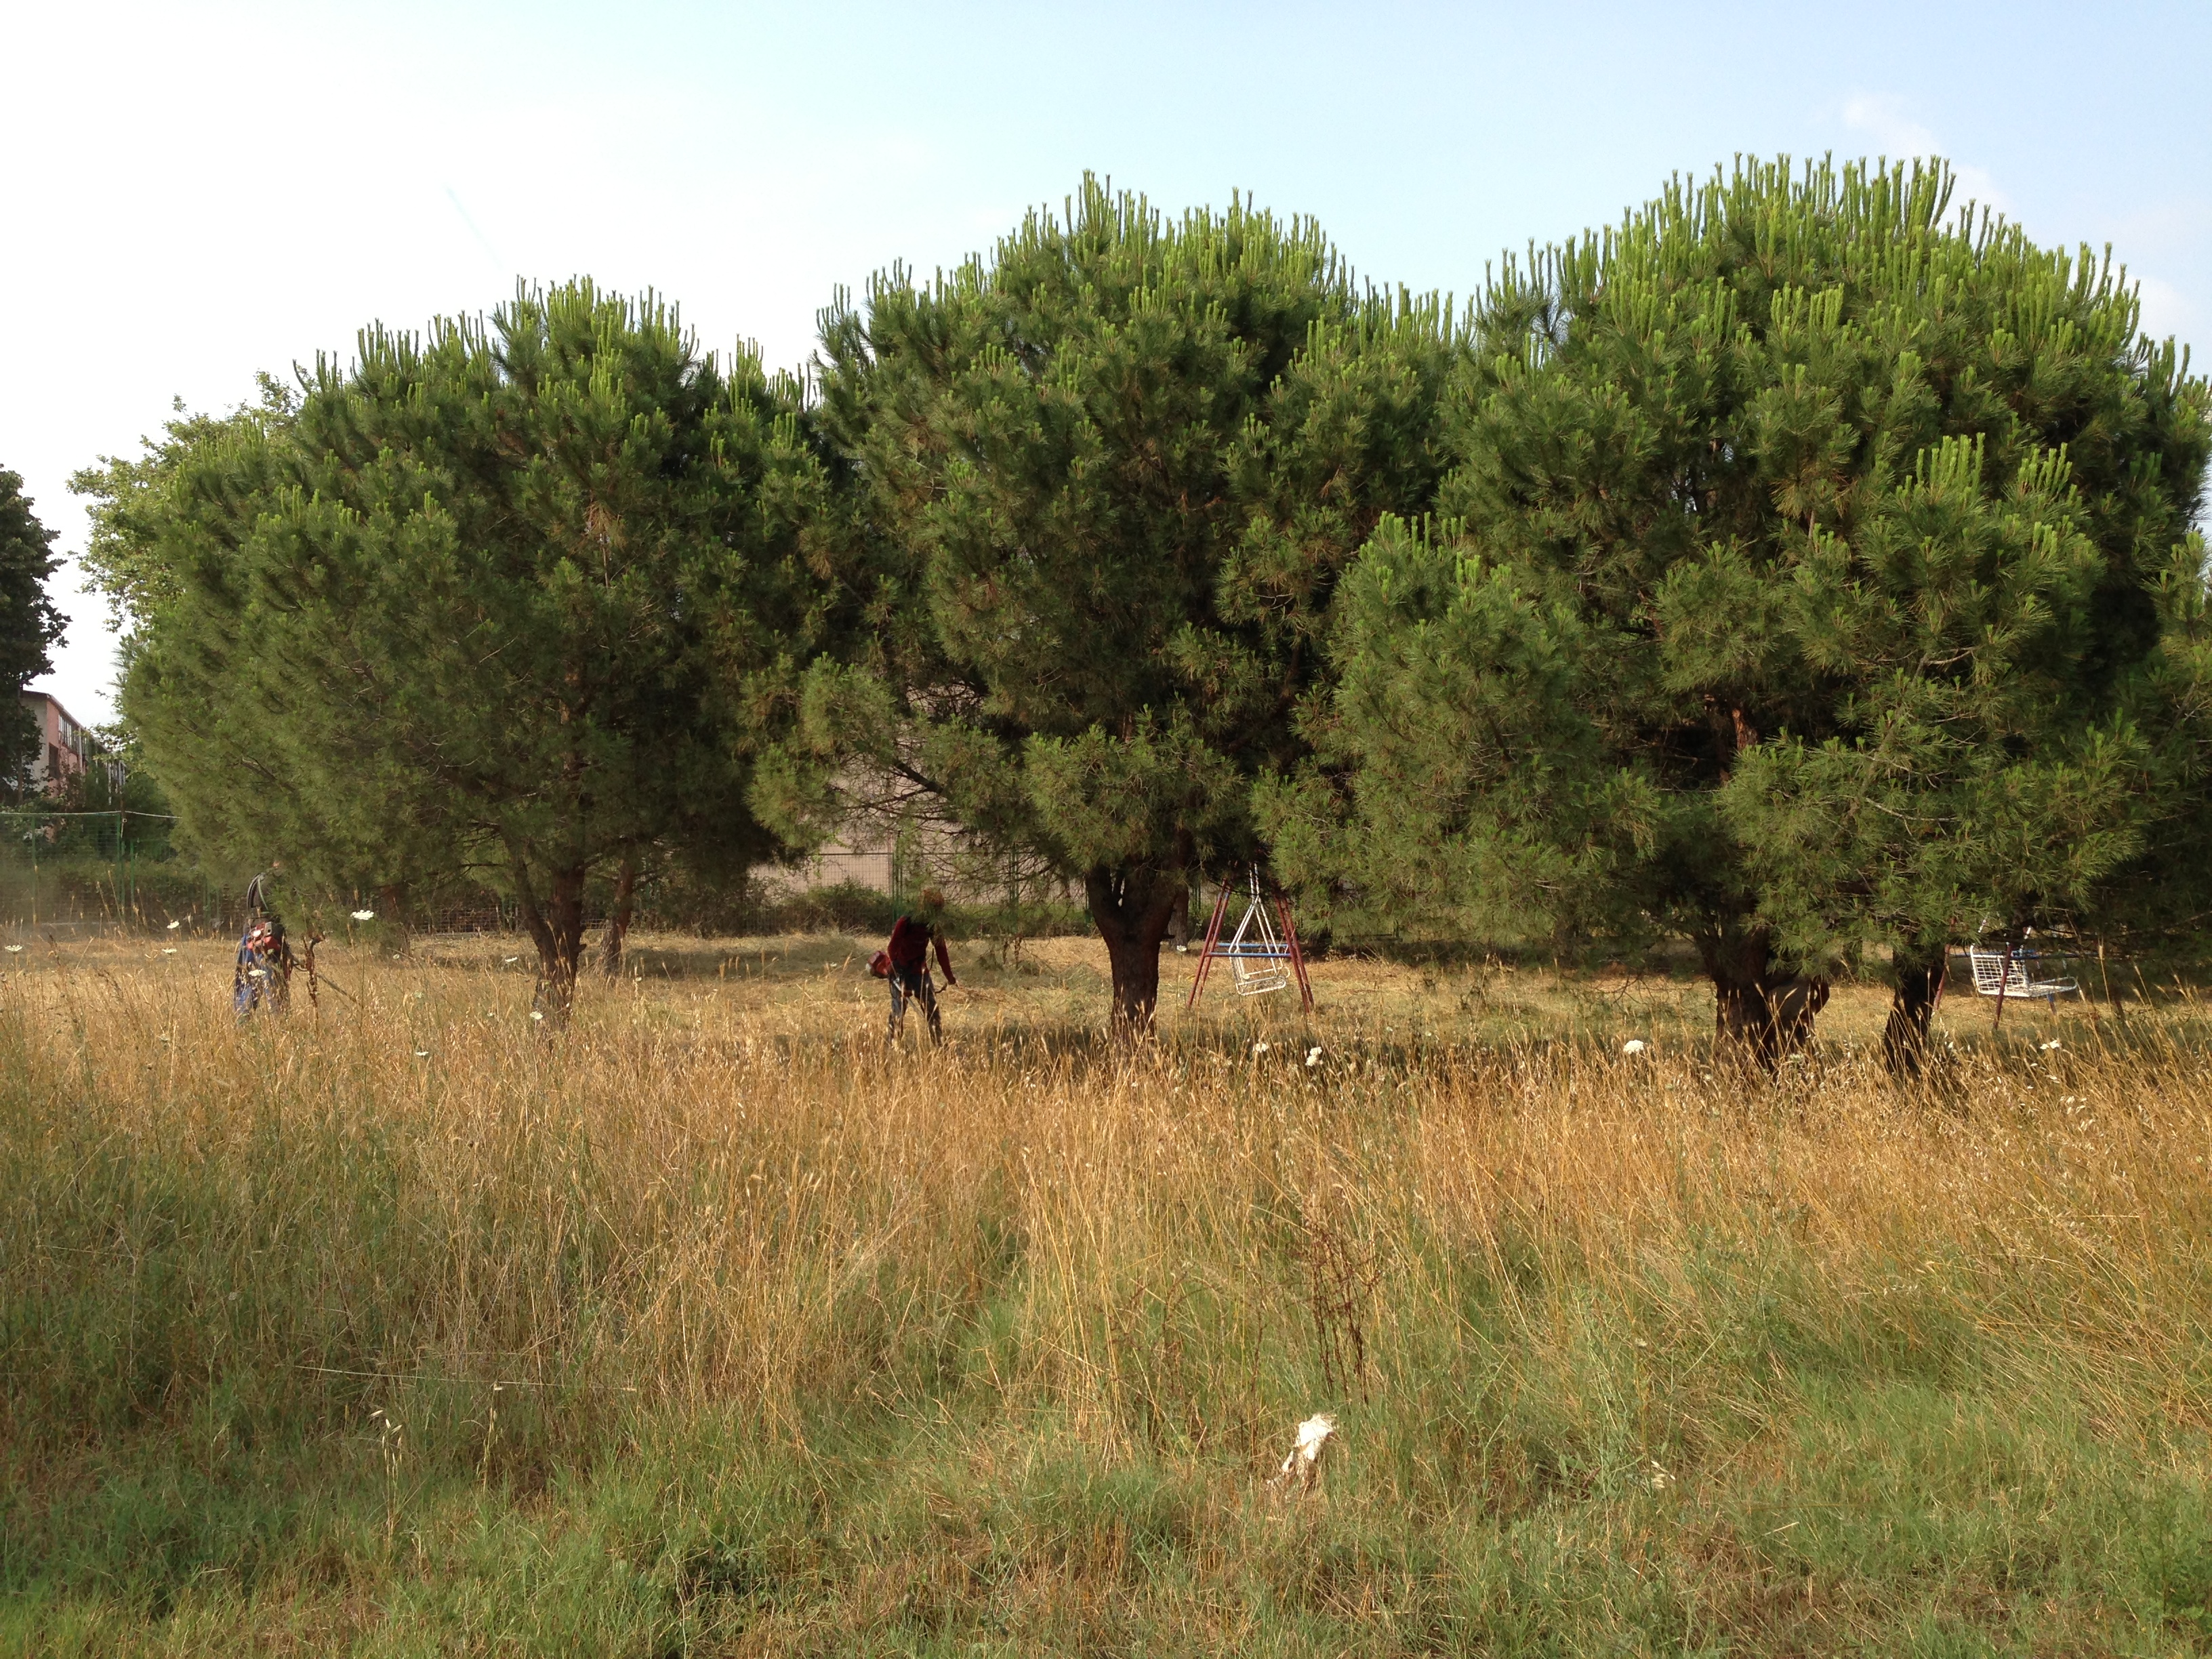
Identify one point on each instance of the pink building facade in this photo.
(65, 745)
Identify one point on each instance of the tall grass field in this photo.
(707, 1326)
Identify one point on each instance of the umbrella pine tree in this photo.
(515, 598)
(1799, 589)
(1106, 480)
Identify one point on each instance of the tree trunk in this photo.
(1759, 1012)
(1131, 906)
(392, 896)
(556, 926)
(610, 950)
(1911, 1007)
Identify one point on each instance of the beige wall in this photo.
(834, 864)
(866, 861)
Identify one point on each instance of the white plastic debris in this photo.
(174, 926)
(364, 916)
(168, 949)
(1301, 1470)
(1313, 1056)
(508, 962)
(535, 1014)
(15, 950)
(2048, 1047)
(1634, 1046)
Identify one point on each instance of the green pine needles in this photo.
(505, 598)
(1806, 583)
(1108, 479)
(1799, 569)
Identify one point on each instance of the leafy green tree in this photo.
(1801, 590)
(1105, 480)
(510, 598)
(30, 626)
(164, 523)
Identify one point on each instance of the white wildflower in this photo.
(364, 916)
(1313, 1056)
(1259, 1049)
(1634, 1046)
(2048, 1047)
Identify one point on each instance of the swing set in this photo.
(1260, 959)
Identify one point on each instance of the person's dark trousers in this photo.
(914, 983)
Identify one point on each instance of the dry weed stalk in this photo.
(680, 1199)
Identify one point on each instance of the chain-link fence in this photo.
(71, 870)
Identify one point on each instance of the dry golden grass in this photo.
(824, 1346)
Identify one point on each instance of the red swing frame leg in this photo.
(1298, 956)
(1206, 950)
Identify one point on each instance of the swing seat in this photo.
(1258, 959)
(2008, 974)
(1255, 975)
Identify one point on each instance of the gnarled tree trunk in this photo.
(1131, 906)
(1759, 1012)
(556, 926)
(1919, 987)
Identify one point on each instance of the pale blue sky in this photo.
(198, 191)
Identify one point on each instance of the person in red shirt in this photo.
(911, 939)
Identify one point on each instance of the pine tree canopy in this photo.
(29, 625)
(1804, 581)
(1106, 479)
(518, 595)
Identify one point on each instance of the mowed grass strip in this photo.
(708, 1326)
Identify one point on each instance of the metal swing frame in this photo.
(1261, 959)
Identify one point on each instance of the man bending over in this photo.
(911, 939)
